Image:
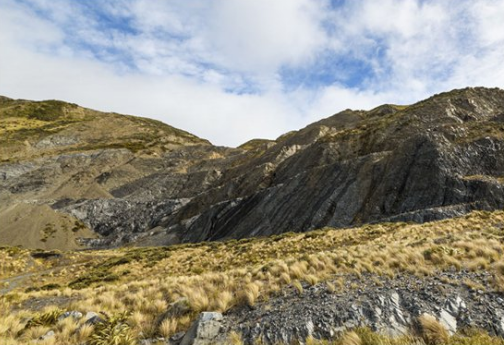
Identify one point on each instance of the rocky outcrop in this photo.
(387, 306)
(118, 220)
(458, 300)
(438, 158)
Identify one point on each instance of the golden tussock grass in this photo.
(298, 286)
(351, 338)
(168, 327)
(234, 338)
(221, 275)
(84, 332)
(431, 331)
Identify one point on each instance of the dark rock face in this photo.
(390, 307)
(438, 158)
(417, 165)
(120, 221)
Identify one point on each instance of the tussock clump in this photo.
(84, 332)
(351, 338)
(46, 319)
(115, 330)
(248, 295)
(225, 301)
(431, 331)
(168, 327)
(298, 286)
(311, 279)
(235, 338)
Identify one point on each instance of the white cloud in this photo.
(489, 17)
(262, 35)
(214, 68)
(34, 33)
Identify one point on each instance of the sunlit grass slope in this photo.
(136, 286)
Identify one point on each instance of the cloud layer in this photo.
(230, 71)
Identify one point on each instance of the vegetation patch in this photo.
(48, 231)
(95, 276)
(78, 225)
(45, 254)
(46, 319)
(44, 111)
(114, 330)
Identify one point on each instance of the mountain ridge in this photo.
(437, 158)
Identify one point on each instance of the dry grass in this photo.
(351, 338)
(145, 282)
(431, 331)
(168, 327)
(235, 338)
(298, 286)
(84, 332)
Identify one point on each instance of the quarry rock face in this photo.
(438, 158)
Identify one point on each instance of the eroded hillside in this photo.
(132, 180)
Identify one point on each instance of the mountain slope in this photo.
(31, 129)
(435, 159)
(52, 150)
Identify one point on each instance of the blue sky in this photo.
(230, 71)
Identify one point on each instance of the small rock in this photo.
(176, 338)
(309, 327)
(448, 320)
(48, 335)
(93, 318)
(90, 314)
(75, 314)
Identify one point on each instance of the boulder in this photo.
(204, 330)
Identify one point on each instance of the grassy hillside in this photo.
(29, 129)
(134, 287)
(39, 226)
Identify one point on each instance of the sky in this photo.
(232, 70)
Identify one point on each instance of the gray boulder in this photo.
(205, 330)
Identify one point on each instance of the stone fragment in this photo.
(76, 315)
